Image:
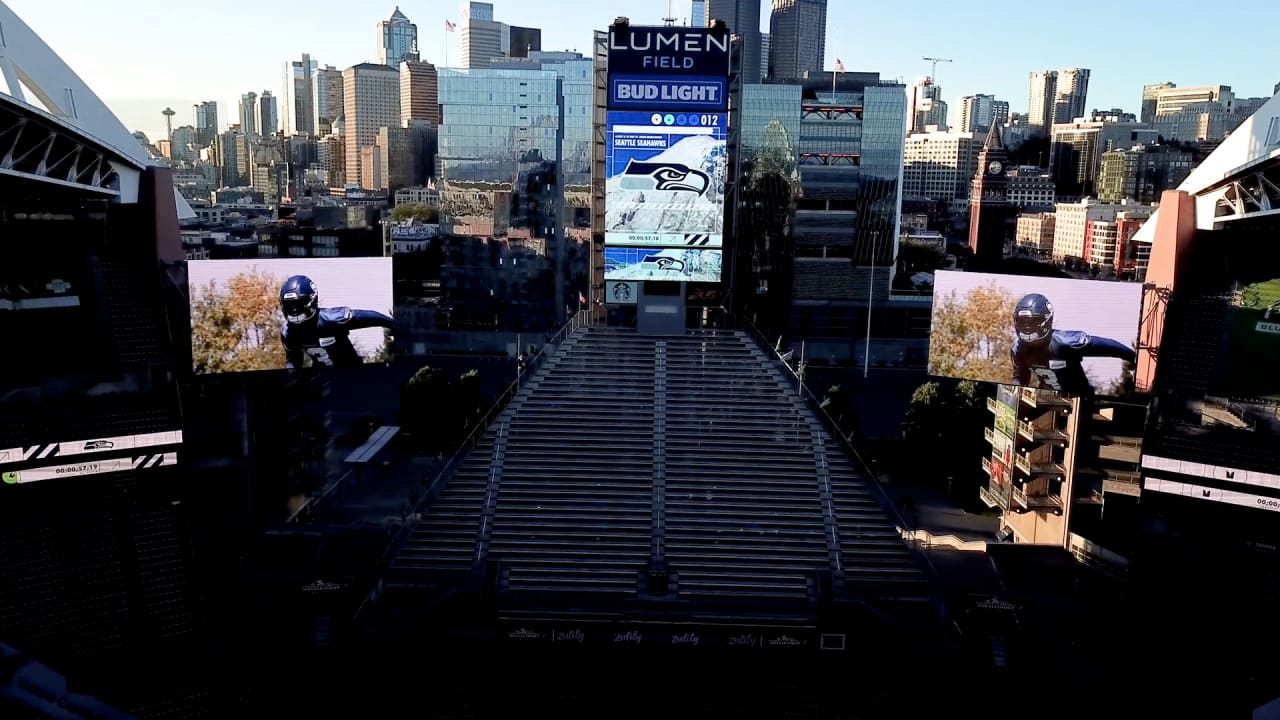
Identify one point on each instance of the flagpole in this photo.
(446, 43)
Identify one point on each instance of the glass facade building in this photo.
(817, 205)
(514, 152)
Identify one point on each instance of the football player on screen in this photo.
(1053, 357)
(323, 334)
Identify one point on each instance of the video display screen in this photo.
(665, 179)
(1076, 337)
(647, 263)
(278, 313)
(1252, 343)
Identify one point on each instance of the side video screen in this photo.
(272, 314)
(1076, 337)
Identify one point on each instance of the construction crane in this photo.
(933, 74)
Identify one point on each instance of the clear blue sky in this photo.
(141, 55)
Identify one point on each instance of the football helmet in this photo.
(299, 299)
(1033, 318)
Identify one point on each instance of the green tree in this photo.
(236, 326)
(972, 337)
(468, 402)
(943, 433)
(421, 401)
(415, 211)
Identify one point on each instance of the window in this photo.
(1273, 132)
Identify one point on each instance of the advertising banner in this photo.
(1006, 420)
(665, 179)
(680, 51)
(1001, 485)
(621, 292)
(651, 93)
(1076, 337)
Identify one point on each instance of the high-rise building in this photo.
(1056, 97)
(249, 114)
(371, 96)
(990, 214)
(743, 19)
(268, 114)
(516, 163)
(977, 112)
(940, 166)
(764, 56)
(797, 38)
(1149, 95)
(1070, 94)
(419, 93)
(326, 86)
(397, 39)
(926, 106)
(299, 96)
(520, 41)
(1044, 84)
(697, 13)
(206, 122)
(481, 35)
(816, 219)
(1077, 148)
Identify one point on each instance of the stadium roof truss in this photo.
(1251, 193)
(55, 129)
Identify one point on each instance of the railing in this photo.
(989, 434)
(581, 319)
(986, 465)
(1022, 463)
(993, 405)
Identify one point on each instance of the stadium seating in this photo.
(627, 453)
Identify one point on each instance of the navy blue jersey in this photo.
(327, 340)
(1056, 364)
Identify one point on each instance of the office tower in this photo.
(371, 99)
(925, 106)
(816, 220)
(249, 114)
(397, 39)
(481, 36)
(1149, 95)
(326, 86)
(516, 162)
(764, 56)
(1056, 96)
(743, 19)
(419, 94)
(797, 38)
(1044, 85)
(299, 96)
(520, 41)
(697, 13)
(977, 112)
(268, 114)
(206, 122)
(1070, 94)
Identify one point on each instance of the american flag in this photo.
(449, 27)
(839, 65)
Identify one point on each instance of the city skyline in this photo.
(139, 80)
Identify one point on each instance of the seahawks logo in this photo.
(666, 263)
(664, 176)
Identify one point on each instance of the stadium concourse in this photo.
(664, 496)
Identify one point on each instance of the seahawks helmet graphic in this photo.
(664, 176)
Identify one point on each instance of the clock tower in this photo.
(990, 213)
